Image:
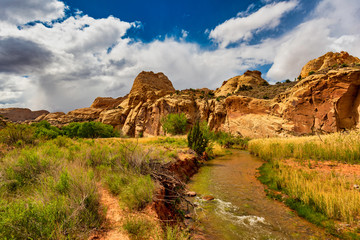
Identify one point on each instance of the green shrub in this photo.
(226, 140)
(245, 88)
(50, 201)
(44, 129)
(23, 169)
(89, 130)
(311, 72)
(197, 141)
(116, 181)
(287, 81)
(138, 228)
(14, 133)
(174, 123)
(175, 233)
(138, 192)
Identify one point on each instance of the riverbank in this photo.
(317, 176)
(240, 208)
(76, 188)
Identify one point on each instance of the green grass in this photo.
(138, 228)
(175, 233)
(49, 191)
(170, 142)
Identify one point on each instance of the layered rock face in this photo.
(20, 114)
(329, 60)
(326, 101)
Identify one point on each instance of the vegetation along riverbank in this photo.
(317, 176)
(84, 181)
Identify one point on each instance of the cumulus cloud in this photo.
(243, 27)
(21, 12)
(330, 27)
(69, 62)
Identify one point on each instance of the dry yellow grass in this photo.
(343, 147)
(329, 192)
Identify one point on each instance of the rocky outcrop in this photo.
(327, 101)
(20, 114)
(329, 60)
(107, 102)
(249, 78)
(79, 115)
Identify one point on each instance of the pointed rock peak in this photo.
(150, 81)
(328, 60)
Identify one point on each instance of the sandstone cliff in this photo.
(329, 60)
(20, 114)
(327, 101)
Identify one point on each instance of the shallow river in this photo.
(241, 209)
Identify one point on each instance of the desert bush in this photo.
(226, 140)
(43, 196)
(245, 88)
(197, 141)
(23, 169)
(14, 133)
(311, 72)
(174, 123)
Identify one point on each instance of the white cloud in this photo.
(69, 63)
(331, 27)
(243, 27)
(21, 12)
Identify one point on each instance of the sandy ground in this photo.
(115, 216)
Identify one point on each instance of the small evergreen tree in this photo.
(197, 141)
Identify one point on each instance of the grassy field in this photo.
(53, 186)
(317, 176)
(50, 190)
(342, 147)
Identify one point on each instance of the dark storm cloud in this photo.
(19, 55)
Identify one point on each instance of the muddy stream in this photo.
(240, 209)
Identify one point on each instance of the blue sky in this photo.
(61, 55)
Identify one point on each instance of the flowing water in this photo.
(241, 209)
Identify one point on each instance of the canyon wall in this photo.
(325, 101)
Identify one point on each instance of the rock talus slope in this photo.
(326, 101)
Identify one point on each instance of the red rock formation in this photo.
(329, 60)
(20, 114)
(327, 101)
